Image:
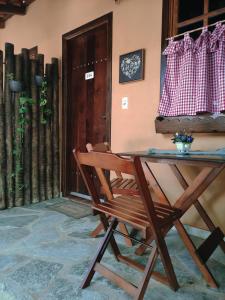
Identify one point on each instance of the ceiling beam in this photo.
(12, 9)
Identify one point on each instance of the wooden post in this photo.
(42, 139)
(49, 135)
(27, 134)
(55, 129)
(35, 135)
(9, 69)
(2, 141)
(18, 140)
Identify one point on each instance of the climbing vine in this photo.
(45, 112)
(23, 107)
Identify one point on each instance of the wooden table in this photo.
(211, 166)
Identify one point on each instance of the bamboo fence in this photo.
(37, 178)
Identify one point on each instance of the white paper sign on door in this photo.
(89, 75)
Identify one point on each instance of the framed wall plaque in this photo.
(131, 66)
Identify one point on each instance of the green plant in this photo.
(10, 76)
(23, 107)
(24, 103)
(45, 112)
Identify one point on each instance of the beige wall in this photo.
(136, 24)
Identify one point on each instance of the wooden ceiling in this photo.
(9, 8)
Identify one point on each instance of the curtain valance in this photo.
(195, 75)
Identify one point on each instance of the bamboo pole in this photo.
(35, 135)
(9, 69)
(55, 129)
(42, 139)
(2, 141)
(18, 140)
(40, 149)
(28, 130)
(49, 179)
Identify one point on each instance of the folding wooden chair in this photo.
(119, 185)
(140, 212)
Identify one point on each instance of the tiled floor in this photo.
(43, 255)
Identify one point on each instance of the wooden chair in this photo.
(140, 212)
(119, 185)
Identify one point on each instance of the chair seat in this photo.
(131, 210)
(124, 186)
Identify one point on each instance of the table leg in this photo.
(197, 204)
(198, 186)
(188, 198)
(192, 250)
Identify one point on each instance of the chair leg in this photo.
(166, 260)
(141, 249)
(122, 227)
(97, 230)
(124, 230)
(113, 244)
(147, 274)
(101, 250)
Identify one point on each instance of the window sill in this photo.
(193, 124)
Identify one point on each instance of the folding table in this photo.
(211, 167)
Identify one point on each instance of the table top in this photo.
(171, 158)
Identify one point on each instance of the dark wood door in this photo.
(87, 94)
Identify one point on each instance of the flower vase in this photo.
(183, 147)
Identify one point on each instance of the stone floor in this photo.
(43, 255)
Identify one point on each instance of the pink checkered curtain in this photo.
(195, 75)
(218, 68)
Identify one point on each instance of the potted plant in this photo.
(15, 85)
(39, 79)
(183, 142)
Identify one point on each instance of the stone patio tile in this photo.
(44, 230)
(70, 224)
(8, 262)
(18, 211)
(61, 289)
(46, 259)
(41, 205)
(64, 249)
(10, 237)
(10, 290)
(17, 221)
(186, 292)
(36, 274)
(102, 290)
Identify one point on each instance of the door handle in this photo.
(103, 117)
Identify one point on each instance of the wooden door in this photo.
(87, 94)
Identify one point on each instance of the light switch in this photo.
(124, 103)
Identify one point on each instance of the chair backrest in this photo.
(102, 147)
(112, 162)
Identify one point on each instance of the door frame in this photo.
(106, 19)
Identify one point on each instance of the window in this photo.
(186, 15)
(178, 17)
